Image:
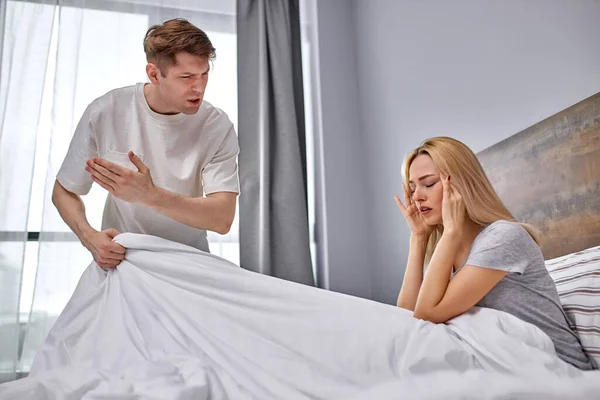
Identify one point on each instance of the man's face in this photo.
(182, 89)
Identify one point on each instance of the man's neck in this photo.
(155, 102)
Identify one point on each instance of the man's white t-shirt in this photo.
(193, 155)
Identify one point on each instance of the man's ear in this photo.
(152, 71)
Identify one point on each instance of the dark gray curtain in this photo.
(274, 237)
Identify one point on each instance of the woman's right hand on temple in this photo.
(106, 253)
(413, 217)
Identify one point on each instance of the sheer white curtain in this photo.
(91, 47)
(25, 47)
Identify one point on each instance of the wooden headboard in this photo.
(548, 175)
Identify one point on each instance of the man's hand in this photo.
(106, 253)
(122, 183)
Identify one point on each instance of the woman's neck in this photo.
(470, 231)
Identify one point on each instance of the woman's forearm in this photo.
(413, 275)
(438, 275)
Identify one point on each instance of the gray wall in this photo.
(403, 71)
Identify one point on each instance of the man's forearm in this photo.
(72, 211)
(213, 213)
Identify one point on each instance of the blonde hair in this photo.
(163, 42)
(454, 158)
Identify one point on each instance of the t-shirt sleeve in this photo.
(221, 173)
(72, 174)
(504, 246)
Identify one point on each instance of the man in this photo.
(166, 157)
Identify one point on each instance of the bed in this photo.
(176, 323)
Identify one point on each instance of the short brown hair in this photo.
(163, 42)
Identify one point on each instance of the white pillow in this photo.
(577, 278)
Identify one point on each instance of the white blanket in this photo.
(173, 322)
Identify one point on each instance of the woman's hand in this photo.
(413, 217)
(453, 208)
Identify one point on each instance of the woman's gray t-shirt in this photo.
(527, 291)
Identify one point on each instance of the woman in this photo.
(475, 251)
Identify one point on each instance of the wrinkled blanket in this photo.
(173, 322)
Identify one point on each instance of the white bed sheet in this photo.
(173, 322)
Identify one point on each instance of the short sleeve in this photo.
(221, 173)
(504, 246)
(72, 174)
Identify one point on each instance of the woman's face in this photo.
(426, 188)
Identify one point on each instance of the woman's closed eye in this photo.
(412, 189)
